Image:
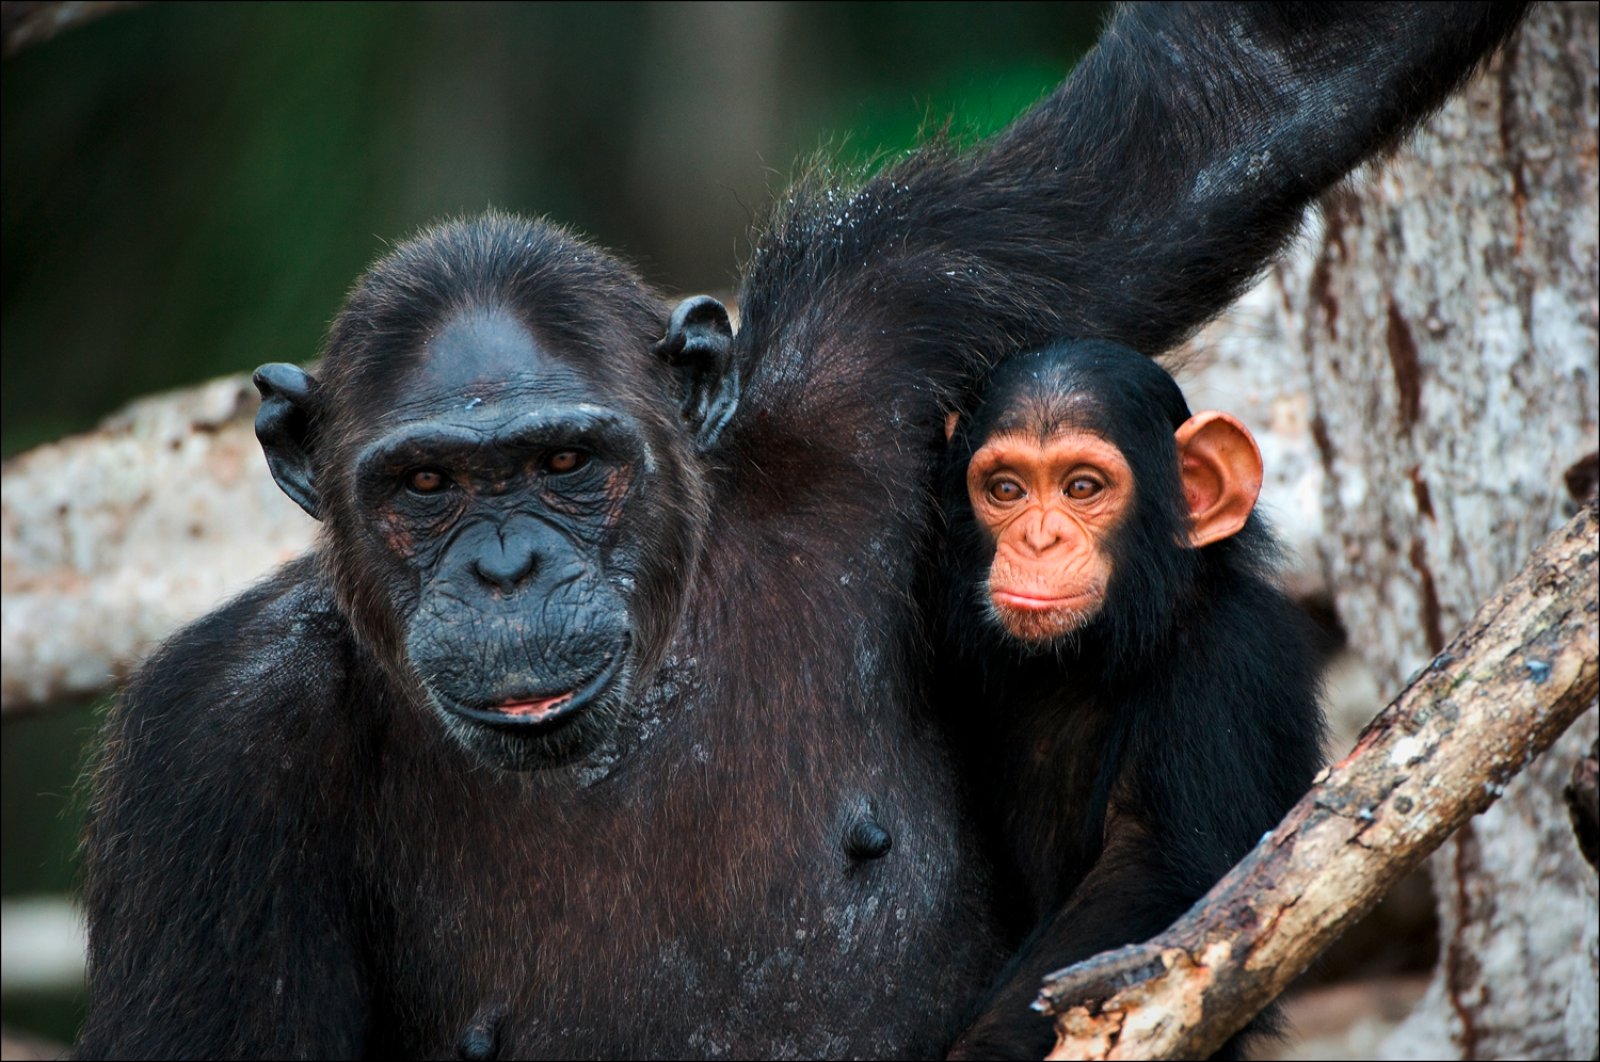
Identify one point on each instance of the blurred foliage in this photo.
(41, 819)
(41, 761)
(188, 190)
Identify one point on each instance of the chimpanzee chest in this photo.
(656, 914)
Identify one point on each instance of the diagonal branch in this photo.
(1502, 691)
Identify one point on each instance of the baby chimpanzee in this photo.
(1140, 701)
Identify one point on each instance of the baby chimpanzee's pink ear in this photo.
(1220, 465)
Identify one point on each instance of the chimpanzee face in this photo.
(506, 449)
(1049, 509)
(1087, 474)
(493, 501)
(511, 539)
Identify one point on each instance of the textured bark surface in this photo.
(1503, 690)
(111, 540)
(1449, 324)
(1448, 320)
(1437, 335)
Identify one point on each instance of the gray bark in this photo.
(1438, 334)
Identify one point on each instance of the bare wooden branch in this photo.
(111, 540)
(1499, 694)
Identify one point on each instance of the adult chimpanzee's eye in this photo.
(427, 481)
(1006, 490)
(1081, 487)
(563, 461)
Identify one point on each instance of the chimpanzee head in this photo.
(1085, 494)
(504, 452)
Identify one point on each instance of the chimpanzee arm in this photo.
(1133, 203)
(1131, 894)
(221, 917)
(1139, 886)
(1181, 154)
(1216, 741)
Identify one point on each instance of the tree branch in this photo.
(1499, 694)
(111, 540)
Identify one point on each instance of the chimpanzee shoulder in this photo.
(225, 792)
(266, 659)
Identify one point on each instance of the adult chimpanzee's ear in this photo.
(699, 346)
(288, 401)
(1221, 469)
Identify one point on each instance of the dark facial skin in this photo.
(1140, 702)
(494, 497)
(484, 508)
(484, 511)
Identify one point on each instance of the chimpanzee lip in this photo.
(1035, 602)
(529, 714)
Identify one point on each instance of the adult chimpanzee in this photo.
(1141, 701)
(699, 626)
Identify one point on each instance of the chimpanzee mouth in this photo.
(545, 712)
(1040, 602)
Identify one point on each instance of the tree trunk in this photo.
(1440, 334)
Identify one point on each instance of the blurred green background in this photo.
(188, 190)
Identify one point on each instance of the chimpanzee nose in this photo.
(505, 562)
(1041, 531)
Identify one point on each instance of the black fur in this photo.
(1131, 764)
(288, 858)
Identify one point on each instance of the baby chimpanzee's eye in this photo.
(1006, 491)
